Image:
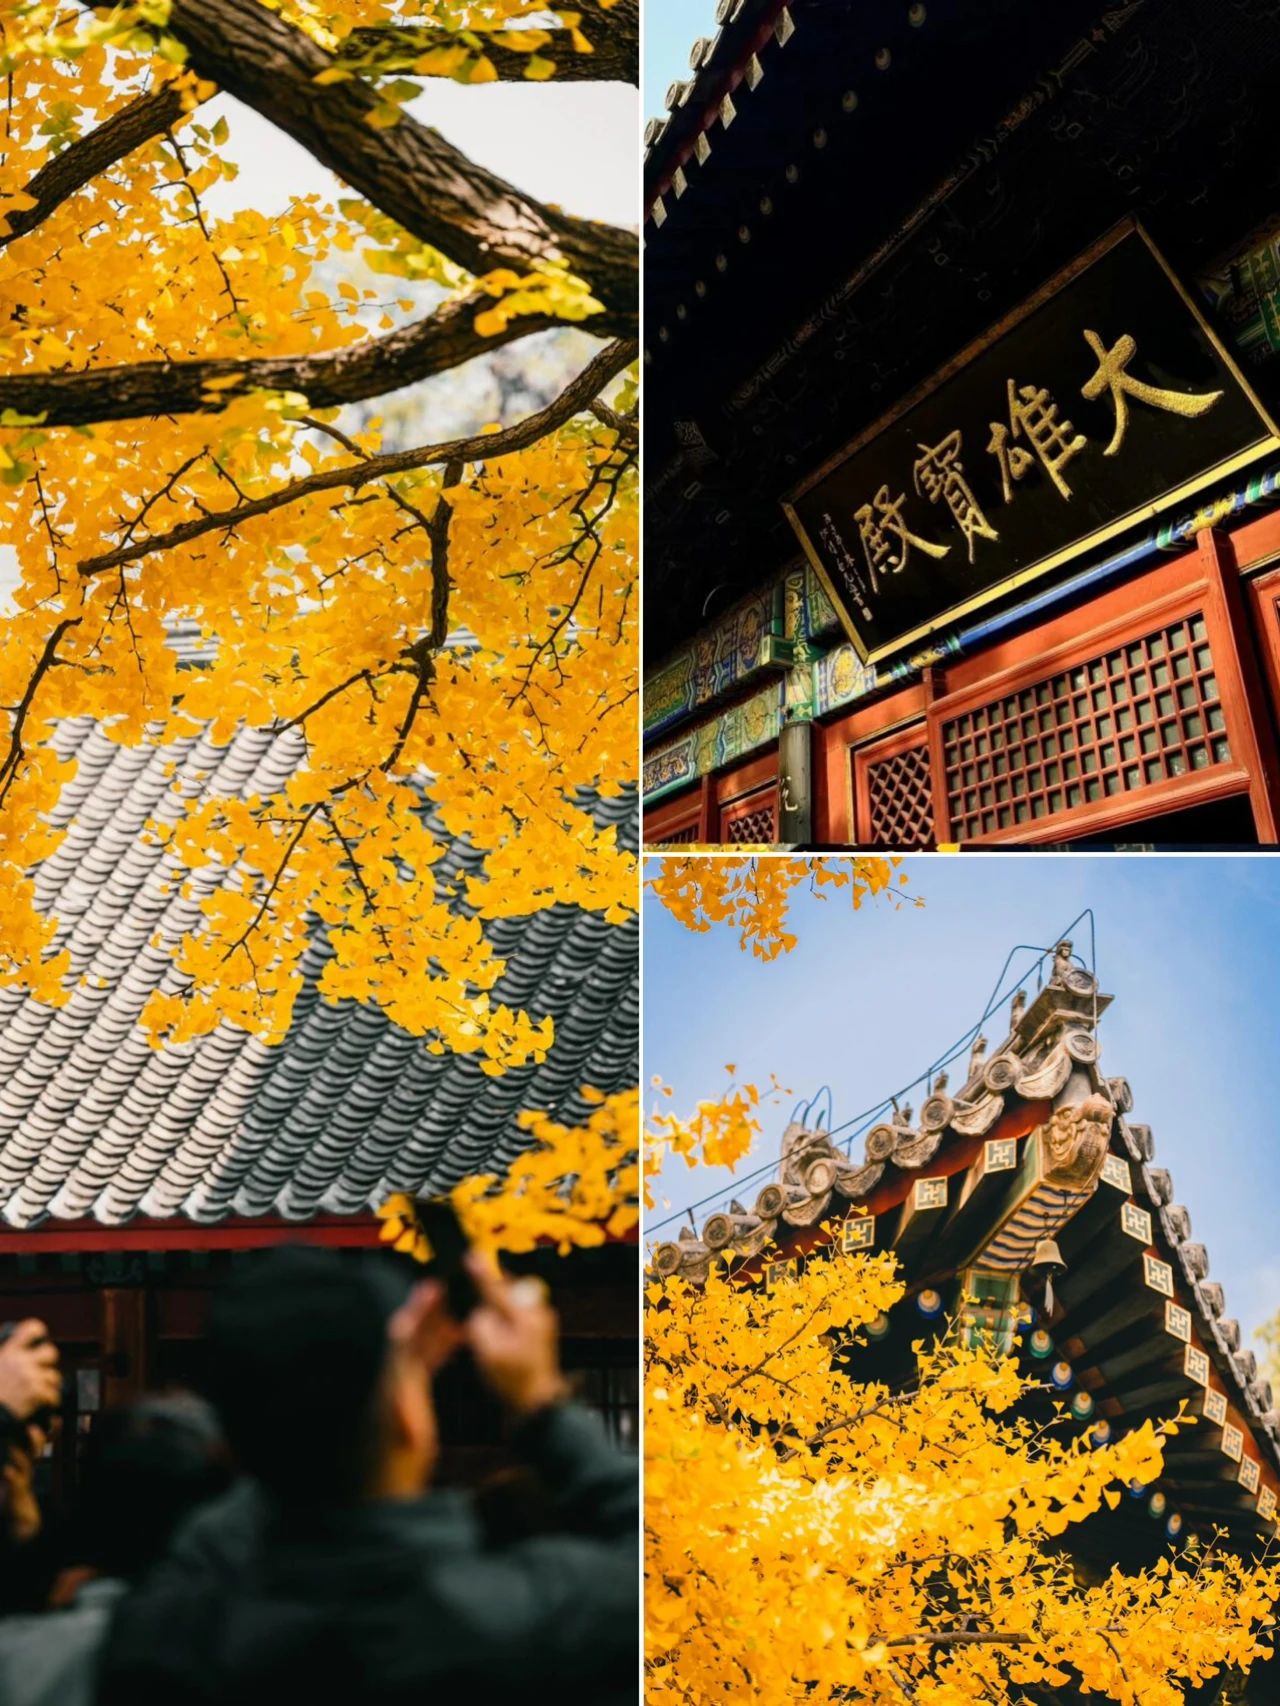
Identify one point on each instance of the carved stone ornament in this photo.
(1121, 1094)
(809, 1167)
(1159, 1184)
(977, 1119)
(881, 1141)
(1061, 966)
(1195, 1259)
(1142, 1146)
(1082, 1046)
(912, 1152)
(1067, 976)
(998, 1074)
(1036, 1082)
(1177, 1223)
(737, 1228)
(1075, 1141)
(936, 1113)
(768, 1204)
(858, 1182)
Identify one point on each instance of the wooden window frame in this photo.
(836, 816)
(1264, 599)
(870, 753)
(745, 789)
(716, 800)
(1232, 580)
(691, 808)
(1203, 580)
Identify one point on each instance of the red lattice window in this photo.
(900, 799)
(679, 837)
(1140, 714)
(750, 820)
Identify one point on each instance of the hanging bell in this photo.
(1046, 1265)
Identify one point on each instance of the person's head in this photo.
(323, 1401)
(147, 1466)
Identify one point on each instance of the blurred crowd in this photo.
(282, 1538)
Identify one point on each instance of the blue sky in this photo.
(670, 29)
(1189, 947)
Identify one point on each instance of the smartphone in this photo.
(449, 1247)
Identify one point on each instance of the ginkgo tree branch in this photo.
(407, 170)
(143, 120)
(577, 396)
(144, 389)
(585, 551)
(422, 652)
(47, 660)
(626, 426)
(613, 32)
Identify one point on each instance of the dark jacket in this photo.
(400, 1602)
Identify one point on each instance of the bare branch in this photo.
(141, 121)
(576, 396)
(366, 895)
(264, 905)
(585, 550)
(81, 397)
(422, 653)
(318, 704)
(627, 430)
(48, 658)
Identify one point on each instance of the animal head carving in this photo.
(1076, 1140)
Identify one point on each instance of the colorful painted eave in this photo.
(825, 678)
(916, 1173)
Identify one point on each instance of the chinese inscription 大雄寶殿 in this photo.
(1035, 430)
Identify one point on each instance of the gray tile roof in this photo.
(96, 1122)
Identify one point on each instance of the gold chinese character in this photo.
(939, 474)
(880, 524)
(1033, 415)
(1111, 376)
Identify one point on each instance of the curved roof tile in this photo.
(95, 1122)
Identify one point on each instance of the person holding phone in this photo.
(334, 1565)
(30, 1391)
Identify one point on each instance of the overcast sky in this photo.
(573, 143)
(1189, 947)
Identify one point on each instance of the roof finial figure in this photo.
(1061, 966)
(1017, 1007)
(977, 1055)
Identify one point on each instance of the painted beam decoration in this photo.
(1106, 399)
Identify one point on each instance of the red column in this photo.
(1244, 701)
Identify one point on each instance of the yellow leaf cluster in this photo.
(576, 1187)
(719, 1133)
(314, 614)
(814, 1538)
(436, 38)
(753, 895)
(554, 291)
